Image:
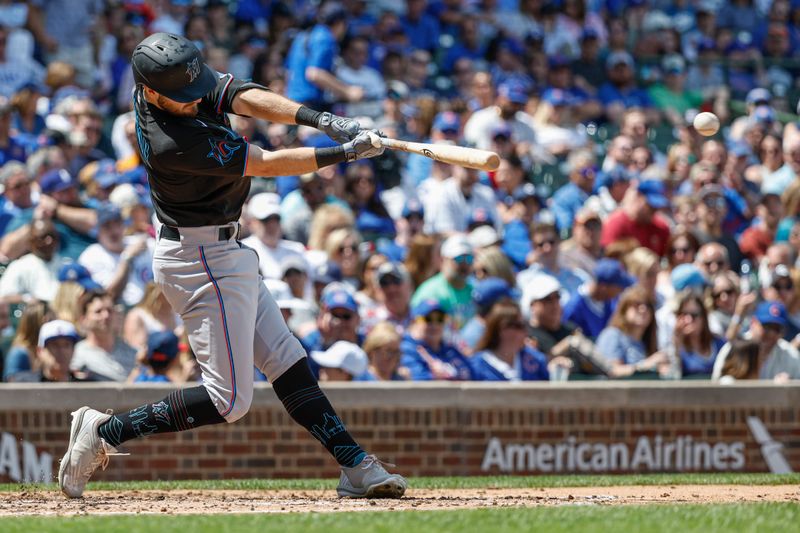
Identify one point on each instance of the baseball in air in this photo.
(706, 124)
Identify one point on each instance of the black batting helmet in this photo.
(173, 66)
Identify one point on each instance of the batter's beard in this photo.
(182, 111)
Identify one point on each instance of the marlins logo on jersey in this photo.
(221, 151)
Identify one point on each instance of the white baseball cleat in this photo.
(369, 479)
(86, 452)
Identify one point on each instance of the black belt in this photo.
(172, 234)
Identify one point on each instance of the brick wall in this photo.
(425, 429)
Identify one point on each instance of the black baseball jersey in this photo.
(197, 165)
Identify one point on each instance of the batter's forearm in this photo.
(291, 161)
(266, 105)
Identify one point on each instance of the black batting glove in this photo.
(365, 145)
(340, 129)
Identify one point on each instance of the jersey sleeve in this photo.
(221, 98)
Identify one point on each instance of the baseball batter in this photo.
(199, 171)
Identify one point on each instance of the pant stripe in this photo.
(225, 328)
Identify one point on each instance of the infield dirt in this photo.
(42, 502)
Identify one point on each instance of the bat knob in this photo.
(493, 162)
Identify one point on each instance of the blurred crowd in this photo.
(613, 242)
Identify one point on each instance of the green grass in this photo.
(659, 518)
(446, 482)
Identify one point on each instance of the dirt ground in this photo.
(291, 501)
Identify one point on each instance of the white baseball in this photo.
(706, 124)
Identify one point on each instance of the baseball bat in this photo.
(454, 155)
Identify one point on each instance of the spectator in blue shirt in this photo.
(569, 199)
(592, 307)
(694, 343)
(503, 354)
(620, 92)
(527, 203)
(309, 63)
(424, 350)
(487, 293)
(421, 28)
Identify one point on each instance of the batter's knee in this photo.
(231, 406)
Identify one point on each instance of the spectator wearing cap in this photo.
(424, 350)
(572, 196)
(393, 293)
(60, 203)
(382, 346)
(160, 354)
(123, 266)
(102, 355)
(458, 198)
(22, 359)
(541, 301)
(756, 239)
(363, 195)
(758, 97)
(523, 211)
(310, 61)
(610, 189)
(637, 218)
(343, 361)
(323, 275)
(338, 320)
(54, 351)
(33, 276)
(779, 286)
(508, 110)
(503, 353)
(355, 72)
(445, 129)
(629, 341)
(266, 237)
(557, 128)
(671, 96)
(581, 101)
(15, 183)
(592, 307)
(583, 249)
(71, 272)
(621, 92)
(488, 293)
(711, 211)
(451, 287)
(98, 179)
(777, 359)
(545, 258)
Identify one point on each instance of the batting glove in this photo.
(340, 129)
(366, 144)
